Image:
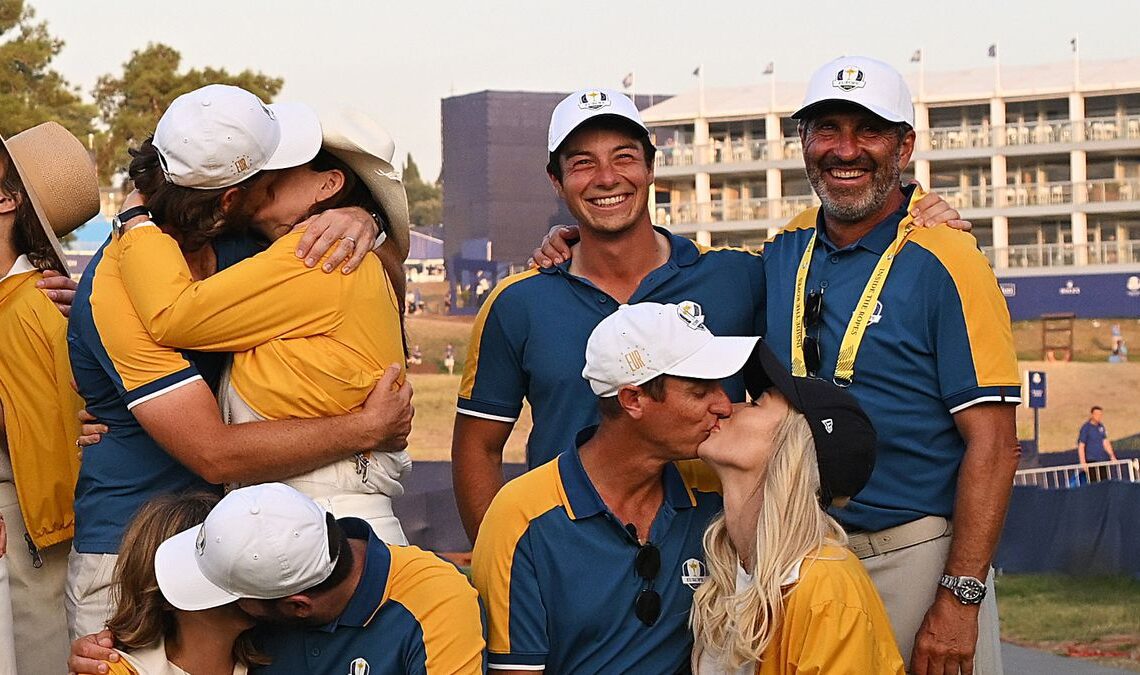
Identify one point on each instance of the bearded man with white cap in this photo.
(214, 148)
(589, 562)
(913, 322)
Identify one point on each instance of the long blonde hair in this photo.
(791, 525)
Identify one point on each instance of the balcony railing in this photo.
(1059, 255)
(739, 150)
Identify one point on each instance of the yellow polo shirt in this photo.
(307, 344)
(834, 622)
(39, 406)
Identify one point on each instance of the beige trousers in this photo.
(33, 627)
(88, 599)
(907, 580)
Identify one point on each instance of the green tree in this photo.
(425, 200)
(132, 102)
(30, 91)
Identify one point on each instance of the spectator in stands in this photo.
(1093, 445)
(48, 188)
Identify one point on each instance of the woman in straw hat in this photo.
(305, 344)
(782, 593)
(163, 433)
(48, 188)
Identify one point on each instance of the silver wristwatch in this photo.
(968, 590)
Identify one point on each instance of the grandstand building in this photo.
(1045, 160)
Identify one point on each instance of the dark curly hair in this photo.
(196, 215)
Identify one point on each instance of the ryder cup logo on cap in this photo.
(265, 542)
(586, 104)
(639, 342)
(863, 81)
(219, 135)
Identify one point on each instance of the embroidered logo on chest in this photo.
(693, 573)
(359, 667)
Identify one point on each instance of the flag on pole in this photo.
(916, 56)
(770, 68)
(992, 51)
(1073, 44)
(627, 81)
(697, 72)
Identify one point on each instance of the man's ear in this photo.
(557, 184)
(331, 183)
(632, 400)
(298, 606)
(906, 149)
(229, 198)
(9, 204)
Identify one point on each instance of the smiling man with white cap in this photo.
(913, 322)
(164, 433)
(601, 165)
(588, 563)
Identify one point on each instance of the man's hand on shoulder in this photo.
(933, 210)
(947, 639)
(60, 289)
(89, 652)
(555, 247)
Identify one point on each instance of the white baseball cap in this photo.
(584, 105)
(864, 81)
(265, 542)
(219, 135)
(639, 342)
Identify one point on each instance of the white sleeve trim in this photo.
(986, 399)
(504, 666)
(487, 416)
(164, 390)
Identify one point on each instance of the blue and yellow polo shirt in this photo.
(529, 340)
(555, 569)
(412, 612)
(117, 366)
(939, 342)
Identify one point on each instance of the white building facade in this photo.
(1045, 160)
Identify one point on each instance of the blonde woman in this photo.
(154, 638)
(784, 595)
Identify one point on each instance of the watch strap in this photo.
(133, 212)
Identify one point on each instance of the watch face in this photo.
(970, 590)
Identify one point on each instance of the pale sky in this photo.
(398, 59)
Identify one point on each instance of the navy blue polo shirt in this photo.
(412, 612)
(117, 365)
(939, 341)
(1093, 436)
(529, 340)
(555, 567)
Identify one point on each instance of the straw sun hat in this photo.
(59, 179)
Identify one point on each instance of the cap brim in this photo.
(556, 143)
(764, 370)
(179, 578)
(879, 111)
(300, 136)
(719, 358)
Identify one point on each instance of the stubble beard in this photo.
(853, 207)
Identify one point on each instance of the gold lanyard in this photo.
(860, 318)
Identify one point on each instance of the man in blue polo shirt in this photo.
(1093, 444)
(588, 563)
(528, 340)
(332, 596)
(911, 320)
